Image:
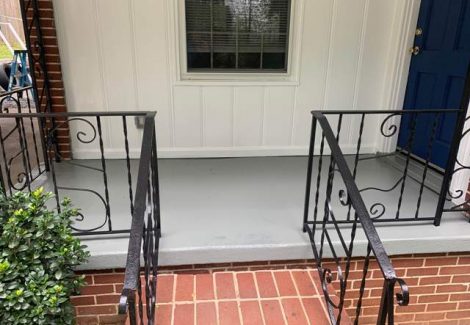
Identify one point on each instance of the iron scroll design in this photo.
(20, 169)
(406, 177)
(22, 155)
(459, 169)
(330, 241)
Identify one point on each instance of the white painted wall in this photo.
(121, 55)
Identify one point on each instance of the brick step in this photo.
(232, 298)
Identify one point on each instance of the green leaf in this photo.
(37, 256)
(58, 275)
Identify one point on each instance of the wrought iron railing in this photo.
(22, 149)
(30, 148)
(409, 181)
(330, 242)
(144, 237)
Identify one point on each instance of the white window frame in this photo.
(290, 77)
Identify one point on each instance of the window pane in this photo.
(249, 60)
(224, 60)
(237, 34)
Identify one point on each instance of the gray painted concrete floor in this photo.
(246, 209)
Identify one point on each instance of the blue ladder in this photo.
(19, 70)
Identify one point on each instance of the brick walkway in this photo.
(249, 298)
(268, 297)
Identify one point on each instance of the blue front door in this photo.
(437, 75)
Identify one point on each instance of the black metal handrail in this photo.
(144, 235)
(350, 197)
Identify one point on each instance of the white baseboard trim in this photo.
(216, 152)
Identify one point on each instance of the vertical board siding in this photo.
(81, 68)
(187, 112)
(248, 116)
(153, 88)
(79, 49)
(218, 116)
(279, 104)
(344, 59)
(119, 55)
(315, 48)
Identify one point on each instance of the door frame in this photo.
(402, 38)
(398, 66)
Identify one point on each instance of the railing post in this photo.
(454, 150)
(386, 311)
(155, 181)
(30, 15)
(143, 241)
(309, 172)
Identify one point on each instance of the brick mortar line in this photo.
(194, 299)
(259, 301)
(173, 297)
(279, 300)
(301, 300)
(298, 294)
(237, 295)
(320, 291)
(217, 311)
(187, 302)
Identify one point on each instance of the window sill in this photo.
(236, 80)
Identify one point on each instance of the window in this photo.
(237, 35)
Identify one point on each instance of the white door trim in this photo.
(402, 38)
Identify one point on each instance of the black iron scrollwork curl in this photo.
(4, 108)
(392, 129)
(81, 135)
(344, 197)
(378, 209)
(326, 279)
(458, 193)
(403, 297)
(80, 217)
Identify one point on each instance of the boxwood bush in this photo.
(37, 256)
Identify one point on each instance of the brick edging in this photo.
(439, 286)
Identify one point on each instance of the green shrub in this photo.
(37, 257)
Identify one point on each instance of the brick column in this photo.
(55, 86)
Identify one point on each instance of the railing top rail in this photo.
(356, 200)
(132, 272)
(382, 111)
(14, 91)
(80, 114)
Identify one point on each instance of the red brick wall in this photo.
(98, 301)
(58, 103)
(439, 287)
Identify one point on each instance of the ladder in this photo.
(19, 70)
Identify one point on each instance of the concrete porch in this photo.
(249, 209)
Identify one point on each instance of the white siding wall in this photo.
(118, 55)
